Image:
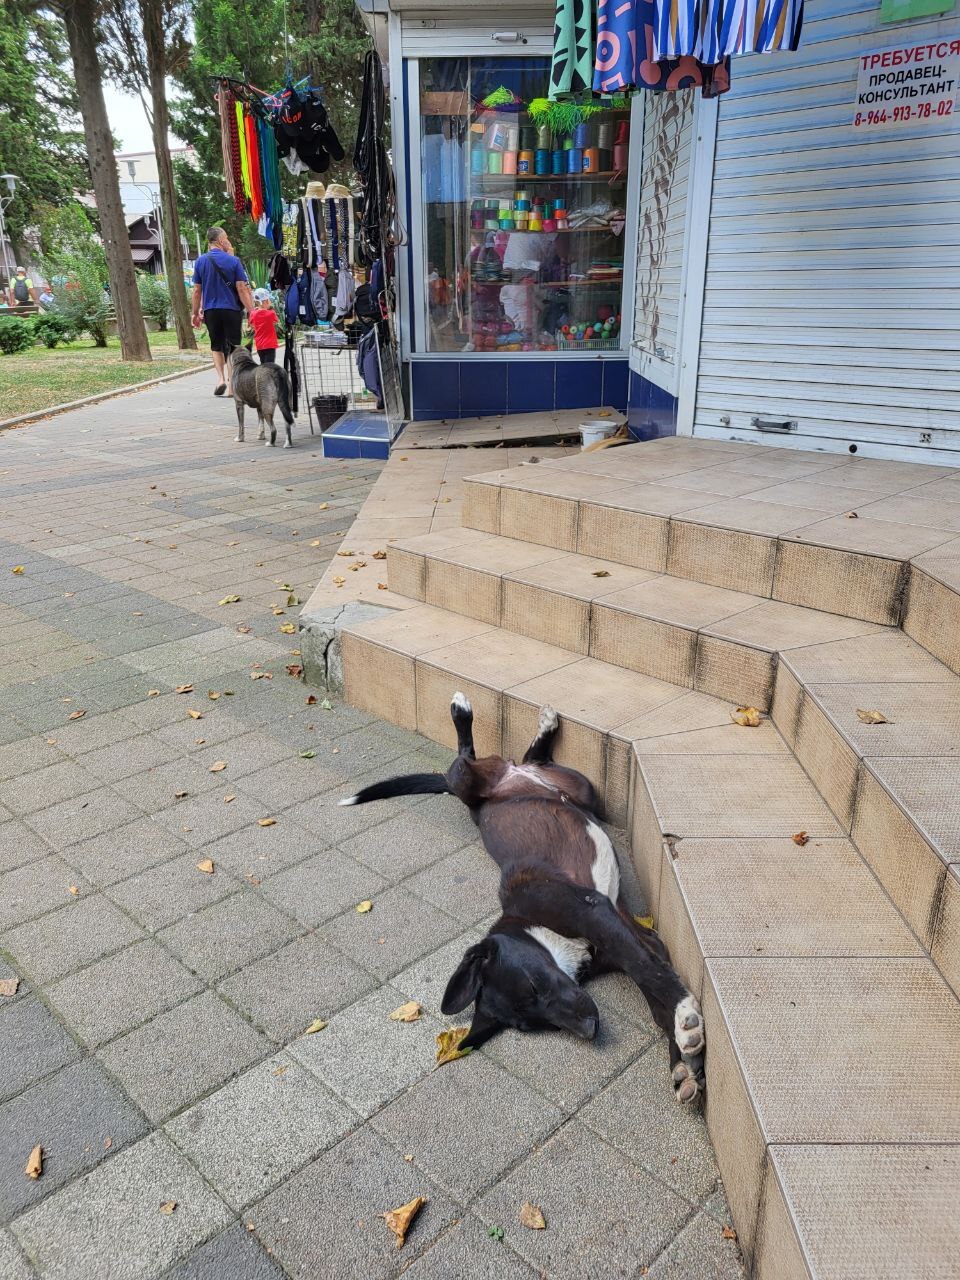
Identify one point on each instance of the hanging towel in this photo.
(253, 163)
(244, 160)
(571, 72)
(626, 57)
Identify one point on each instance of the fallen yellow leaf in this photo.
(261, 675)
(153, 693)
(399, 1220)
(206, 866)
(531, 1216)
(288, 628)
(601, 573)
(179, 795)
(728, 1233)
(168, 1206)
(218, 766)
(266, 822)
(364, 907)
(35, 1163)
(800, 838)
(409, 1012)
(194, 715)
(212, 695)
(76, 715)
(872, 717)
(17, 568)
(379, 555)
(72, 888)
(229, 799)
(749, 717)
(278, 612)
(345, 553)
(315, 542)
(229, 600)
(339, 581)
(323, 506)
(184, 688)
(316, 1025)
(448, 1045)
(646, 922)
(8, 986)
(382, 586)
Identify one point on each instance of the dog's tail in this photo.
(283, 395)
(408, 784)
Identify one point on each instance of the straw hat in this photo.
(337, 190)
(316, 191)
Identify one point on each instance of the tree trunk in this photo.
(80, 19)
(151, 17)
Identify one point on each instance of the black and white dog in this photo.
(562, 918)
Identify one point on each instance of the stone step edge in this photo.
(850, 583)
(721, 666)
(746, 1222)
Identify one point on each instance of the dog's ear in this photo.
(464, 986)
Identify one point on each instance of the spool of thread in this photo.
(507, 224)
(504, 204)
(559, 212)
(558, 162)
(574, 160)
(477, 160)
(541, 162)
(562, 224)
(591, 160)
(549, 224)
(509, 162)
(494, 162)
(568, 143)
(581, 135)
(491, 224)
(535, 223)
(605, 136)
(620, 152)
(522, 205)
(606, 159)
(521, 219)
(476, 219)
(544, 138)
(528, 138)
(513, 137)
(525, 161)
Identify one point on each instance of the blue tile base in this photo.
(651, 411)
(359, 434)
(483, 387)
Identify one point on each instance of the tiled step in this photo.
(832, 1035)
(770, 523)
(893, 787)
(689, 633)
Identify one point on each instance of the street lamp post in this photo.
(155, 208)
(10, 179)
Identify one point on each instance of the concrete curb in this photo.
(40, 414)
(320, 640)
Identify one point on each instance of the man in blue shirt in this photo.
(221, 293)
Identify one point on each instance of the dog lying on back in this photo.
(264, 387)
(563, 921)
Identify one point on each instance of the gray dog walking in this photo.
(264, 387)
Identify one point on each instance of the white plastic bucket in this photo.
(596, 429)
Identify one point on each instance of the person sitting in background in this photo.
(22, 292)
(45, 299)
(263, 321)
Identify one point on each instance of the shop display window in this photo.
(523, 206)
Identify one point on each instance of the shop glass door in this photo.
(523, 208)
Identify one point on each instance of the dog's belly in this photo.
(535, 829)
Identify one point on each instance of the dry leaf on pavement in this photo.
(72, 888)
(229, 799)
(448, 1045)
(288, 628)
(346, 553)
(194, 715)
(851, 515)
(206, 866)
(379, 555)
(728, 1233)
(212, 695)
(266, 822)
(229, 600)
(35, 1163)
(531, 1216)
(8, 986)
(409, 1012)
(749, 717)
(184, 688)
(323, 506)
(363, 907)
(261, 675)
(399, 1220)
(76, 715)
(307, 755)
(382, 586)
(180, 795)
(153, 693)
(872, 717)
(17, 568)
(294, 669)
(218, 766)
(316, 1025)
(646, 922)
(311, 700)
(339, 581)
(601, 573)
(168, 1206)
(800, 838)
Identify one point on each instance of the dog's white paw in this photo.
(689, 1080)
(688, 1027)
(548, 720)
(460, 703)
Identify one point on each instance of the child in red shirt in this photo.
(263, 321)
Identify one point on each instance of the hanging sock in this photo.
(571, 72)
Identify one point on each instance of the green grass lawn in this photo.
(39, 378)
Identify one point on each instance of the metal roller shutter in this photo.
(832, 290)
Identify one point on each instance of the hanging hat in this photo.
(337, 190)
(316, 191)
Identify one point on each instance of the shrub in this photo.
(78, 288)
(16, 334)
(154, 299)
(50, 327)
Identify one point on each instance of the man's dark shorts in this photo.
(224, 325)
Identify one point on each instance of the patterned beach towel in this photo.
(571, 73)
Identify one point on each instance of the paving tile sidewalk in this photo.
(154, 1046)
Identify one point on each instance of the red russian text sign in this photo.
(914, 84)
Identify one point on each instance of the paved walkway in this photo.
(155, 1044)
